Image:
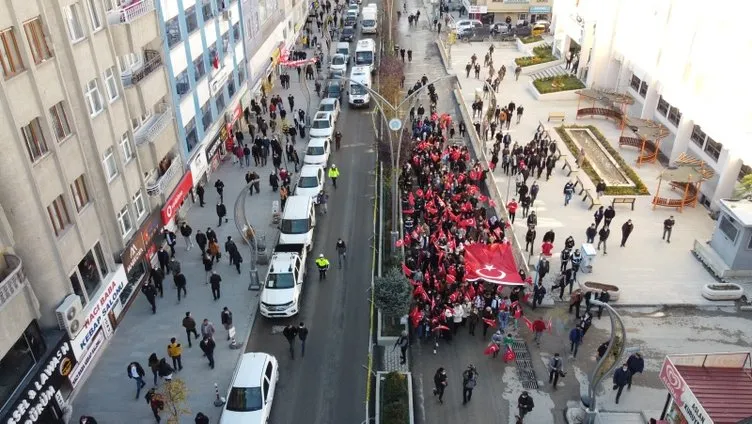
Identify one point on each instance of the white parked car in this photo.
(330, 105)
(317, 152)
(311, 180)
(338, 63)
(322, 125)
(249, 400)
(461, 24)
(353, 8)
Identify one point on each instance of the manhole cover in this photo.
(524, 363)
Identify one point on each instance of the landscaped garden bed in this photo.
(394, 399)
(557, 84)
(639, 187)
(541, 54)
(531, 39)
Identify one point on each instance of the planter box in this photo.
(409, 377)
(612, 290)
(527, 70)
(527, 49)
(731, 291)
(558, 96)
(387, 339)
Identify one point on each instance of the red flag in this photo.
(491, 203)
(451, 278)
(440, 327)
(399, 243)
(491, 349)
(411, 199)
(408, 272)
(490, 322)
(509, 355)
(215, 61)
(528, 323)
(453, 297)
(420, 292)
(494, 263)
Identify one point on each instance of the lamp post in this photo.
(608, 363)
(248, 233)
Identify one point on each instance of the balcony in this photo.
(158, 180)
(12, 278)
(150, 130)
(150, 62)
(127, 14)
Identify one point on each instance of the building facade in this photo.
(675, 66)
(513, 11)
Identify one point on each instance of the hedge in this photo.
(395, 407)
(639, 187)
(531, 39)
(541, 54)
(563, 82)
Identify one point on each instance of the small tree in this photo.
(175, 393)
(392, 293)
(744, 188)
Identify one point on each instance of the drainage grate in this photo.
(524, 363)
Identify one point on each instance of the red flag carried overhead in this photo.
(493, 263)
(490, 322)
(411, 199)
(408, 272)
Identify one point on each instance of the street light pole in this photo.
(248, 233)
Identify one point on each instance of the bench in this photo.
(568, 165)
(555, 116)
(581, 184)
(594, 201)
(624, 200)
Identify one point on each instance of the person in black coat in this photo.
(157, 277)
(621, 379)
(164, 369)
(590, 234)
(598, 216)
(201, 418)
(201, 241)
(220, 186)
(164, 260)
(200, 194)
(86, 419)
(302, 335)
(221, 212)
(180, 284)
(151, 295)
(207, 346)
(291, 333)
(549, 236)
(211, 235)
(274, 181)
(635, 364)
(609, 215)
(524, 404)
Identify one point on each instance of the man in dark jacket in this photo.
(157, 277)
(220, 186)
(214, 281)
(136, 372)
(190, 327)
(180, 284)
(151, 295)
(211, 235)
(525, 404)
(207, 346)
(626, 230)
(226, 319)
(668, 225)
(598, 216)
(164, 260)
(186, 231)
(635, 364)
(621, 379)
(201, 241)
(302, 335)
(221, 212)
(539, 292)
(602, 237)
(291, 333)
(590, 234)
(171, 240)
(608, 215)
(230, 248)
(604, 297)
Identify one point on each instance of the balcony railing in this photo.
(12, 277)
(152, 62)
(127, 14)
(157, 184)
(153, 127)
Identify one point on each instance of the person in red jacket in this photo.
(539, 326)
(512, 209)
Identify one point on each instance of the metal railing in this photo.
(13, 278)
(128, 14)
(152, 62)
(156, 184)
(159, 122)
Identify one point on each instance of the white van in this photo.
(298, 221)
(358, 96)
(365, 53)
(344, 49)
(369, 22)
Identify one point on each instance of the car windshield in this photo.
(342, 51)
(326, 107)
(308, 182)
(294, 226)
(357, 90)
(348, 31)
(338, 60)
(315, 150)
(245, 399)
(364, 58)
(333, 90)
(321, 124)
(280, 281)
(369, 22)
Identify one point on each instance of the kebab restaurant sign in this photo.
(95, 315)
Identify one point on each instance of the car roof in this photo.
(339, 55)
(310, 170)
(328, 100)
(251, 366)
(322, 115)
(332, 83)
(343, 44)
(349, 28)
(317, 141)
(297, 207)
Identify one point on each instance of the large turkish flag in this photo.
(493, 263)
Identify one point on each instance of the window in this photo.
(220, 100)
(698, 136)
(207, 10)
(728, 228)
(191, 137)
(36, 145)
(199, 67)
(110, 167)
(241, 72)
(125, 145)
(206, 116)
(172, 27)
(80, 193)
(674, 115)
(713, 148)
(124, 221)
(37, 40)
(635, 83)
(110, 83)
(643, 89)
(226, 43)
(231, 87)
(94, 19)
(663, 106)
(60, 122)
(191, 22)
(93, 98)
(236, 32)
(58, 214)
(10, 57)
(20, 360)
(89, 273)
(73, 21)
(138, 204)
(182, 84)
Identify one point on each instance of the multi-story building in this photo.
(514, 11)
(678, 65)
(89, 151)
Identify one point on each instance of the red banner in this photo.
(493, 263)
(172, 205)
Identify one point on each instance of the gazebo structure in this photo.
(647, 137)
(686, 178)
(610, 104)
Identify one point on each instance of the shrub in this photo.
(558, 83)
(531, 39)
(541, 54)
(392, 293)
(638, 189)
(395, 407)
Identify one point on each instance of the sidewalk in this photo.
(108, 394)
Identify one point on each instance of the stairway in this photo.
(549, 72)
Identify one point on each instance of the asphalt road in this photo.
(329, 384)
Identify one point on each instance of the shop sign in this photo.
(540, 9)
(213, 147)
(477, 9)
(140, 242)
(199, 165)
(96, 312)
(83, 365)
(218, 80)
(236, 114)
(683, 397)
(44, 387)
(172, 205)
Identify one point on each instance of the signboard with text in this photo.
(95, 313)
(684, 399)
(173, 203)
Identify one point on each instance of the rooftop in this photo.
(741, 210)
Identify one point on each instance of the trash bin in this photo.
(588, 257)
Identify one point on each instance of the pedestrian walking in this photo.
(604, 297)
(207, 329)
(554, 370)
(200, 194)
(635, 364)
(214, 251)
(175, 352)
(512, 209)
(333, 174)
(525, 405)
(602, 237)
(469, 381)
(575, 340)
(201, 418)
(186, 231)
(214, 281)
(164, 260)
(322, 264)
(180, 284)
(302, 335)
(575, 300)
(322, 200)
(165, 370)
(517, 72)
(155, 400)
(220, 186)
(154, 366)
(226, 320)
(621, 379)
(440, 383)
(590, 233)
(598, 216)
(201, 241)
(207, 345)
(668, 225)
(600, 188)
(568, 191)
(171, 241)
(221, 212)
(150, 292)
(539, 326)
(136, 372)
(291, 333)
(341, 252)
(403, 342)
(190, 327)
(520, 110)
(174, 266)
(626, 230)
(157, 278)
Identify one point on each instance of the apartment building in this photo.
(89, 151)
(514, 11)
(679, 64)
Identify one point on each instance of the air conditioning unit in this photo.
(226, 14)
(69, 315)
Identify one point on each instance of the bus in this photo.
(357, 95)
(365, 54)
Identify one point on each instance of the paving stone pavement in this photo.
(392, 361)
